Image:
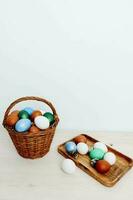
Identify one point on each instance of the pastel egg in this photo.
(12, 118)
(110, 157)
(82, 148)
(80, 138)
(102, 166)
(35, 114)
(29, 110)
(41, 122)
(50, 117)
(68, 166)
(23, 125)
(96, 154)
(70, 147)
(23, 114)
(100, 145)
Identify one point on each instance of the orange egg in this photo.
(80, 138)
(34, 129)
(12, 118)
(102, 166)
(35, 114)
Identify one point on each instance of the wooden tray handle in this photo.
(27, 99)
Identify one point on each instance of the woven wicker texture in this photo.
(32, 145)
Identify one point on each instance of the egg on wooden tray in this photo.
(82, 148)
(71, 147)
(102, 166)
(96, 154)
(101, 159)
(100, 145)
(80, 138)
(110, 158)
(30, 120)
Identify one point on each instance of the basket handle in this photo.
(26, 99)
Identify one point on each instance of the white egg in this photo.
(41, 122)
(100, 145)
(110, 158)
(68, 166)
(82, 148)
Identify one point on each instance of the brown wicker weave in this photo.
(32, 145)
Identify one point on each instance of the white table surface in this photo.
(42, 179)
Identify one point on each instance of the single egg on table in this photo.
(23, 114)
(102, 166)
(96, 154)
(110, 157)
(70, 147)
(80, 138)
(82, 148)
(23, 125)
(68, 166)
(41, 122)
(29, 110)
(12, 118)
(100, 145)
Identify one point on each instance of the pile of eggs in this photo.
(29, 120)
(101, 158)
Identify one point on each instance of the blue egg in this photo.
(29, 110)
(70, 147)
(22, 125)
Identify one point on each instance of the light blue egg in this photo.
(22, 125)
(29, 110)
(70, 147)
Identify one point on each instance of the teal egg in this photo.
(23, 114)
(23, 125)
(96, 154)
(49, 116)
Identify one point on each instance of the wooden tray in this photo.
(122, 165)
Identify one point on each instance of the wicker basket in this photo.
(29, 145)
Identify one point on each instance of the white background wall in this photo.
(78, 54)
